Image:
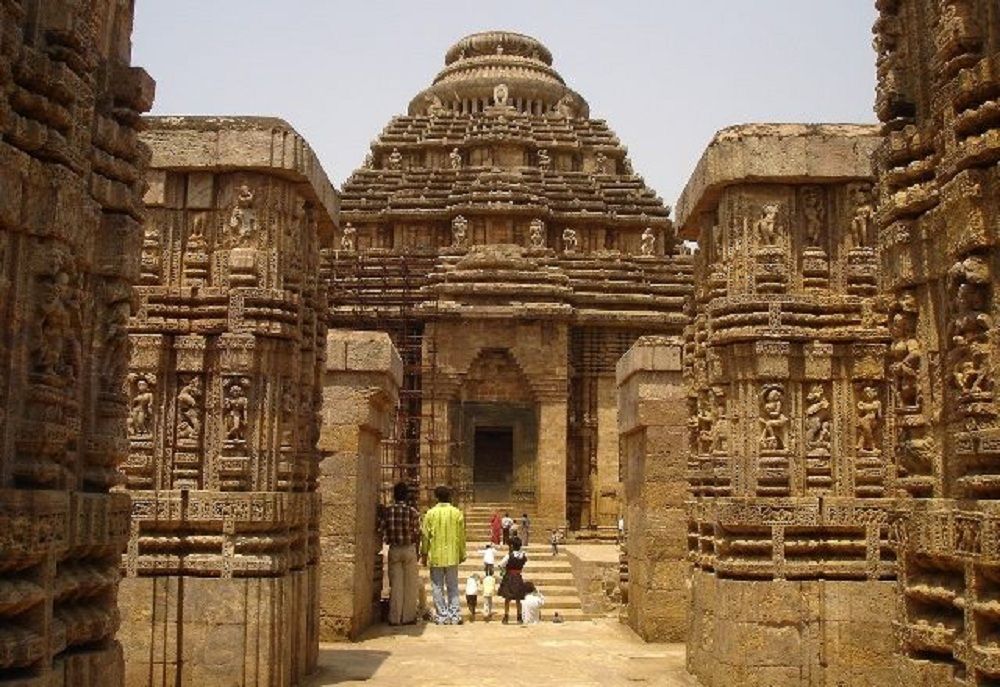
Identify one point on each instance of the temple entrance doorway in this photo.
(493, 463)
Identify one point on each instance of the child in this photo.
(555, 542)
(531, 607)
(471, 592)
(489, 589)
(489, 559)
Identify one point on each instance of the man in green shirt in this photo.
(442, 549)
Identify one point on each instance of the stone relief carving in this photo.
(814, 214)
(602, 163)
(869, 418)
(544, 161)
(455, 158)
(435, 107)
(905, 352)
(647, 244)
(235, 405)
(569, 240)
(459, 228)
(348, 238)
(774, 422)
(140, 416)
(395, 159)
(243, 217)
(189, 408)
(536, 234)
(55, 344)
(501, 94)
(969, 292)
(565, 107)
(818, 419)
(766, 226)
(862, 217)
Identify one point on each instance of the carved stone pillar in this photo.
(224, 396)
(71, 170)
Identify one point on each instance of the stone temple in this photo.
(214, 363)
(502, 238)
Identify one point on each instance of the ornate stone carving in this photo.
(395, 159)
(774, 422)
(536, 234)
(140, 416)
(818, 419)
(647, 244)
(869, 420)
(455, 158)
(905, 352)
(766, 227)
(970, 357)
(569, 240)
(814, 215)
(236, 405)
(189, 408)
(348, 238)
(459, 227)
(243, 217)
(862, 216)
(544, 161)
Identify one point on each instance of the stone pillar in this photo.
(652, 420)
(71, 170)
(223, 401)
(360, 391)
(608, 497)
(551, 474)
(937, 231)
(793, 580)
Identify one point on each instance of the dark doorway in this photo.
(493, 463)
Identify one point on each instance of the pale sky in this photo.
(665, 74)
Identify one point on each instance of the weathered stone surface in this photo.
(71, 170)
(360, 391)
(224, 394)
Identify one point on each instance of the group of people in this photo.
(438, 541)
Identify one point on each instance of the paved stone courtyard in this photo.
(579, 654)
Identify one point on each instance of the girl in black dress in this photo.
(512, 586)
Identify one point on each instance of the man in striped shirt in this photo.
(442, 550)
(401, 531)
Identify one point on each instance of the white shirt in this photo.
(489, 556)
(471, 587)
(531, 608)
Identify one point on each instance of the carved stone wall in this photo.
(360, 391)
(71, 170)
(652, 420)
(938, 214)
(224, 394)
(788, 469)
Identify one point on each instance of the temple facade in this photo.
(502, 238)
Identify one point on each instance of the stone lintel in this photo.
(775, 153)
(264, 144)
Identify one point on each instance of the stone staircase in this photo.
(553, 575)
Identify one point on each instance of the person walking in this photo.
(442, 549)
(400, 526)
(489, 589)
(472, 595)
(525, 529)
(489, 559)
(512, 586)
(554, 540)
(505, 522)
(495, 529)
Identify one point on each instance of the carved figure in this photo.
(705, 422)
(235, 405)
(905, 352)
(544, 161)
(434, 105)
(815, 215)
(971, 357)
(500, 91)
(602, 163)
(55, 348)
(869, 415)
(347, 241)
(766, 227)
(189, 409)
(717, 242)
(455, 158)
(861, 222)
(569, 240)
(774, 435)
(817, 418)
(395, 159)
(140, 416)
(243, 219)
(566, 107)
(459, 226)
(648, 242)
(536, 233)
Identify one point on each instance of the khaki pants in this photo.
(403, 583)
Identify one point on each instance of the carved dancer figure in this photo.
(189, 410)
(817, 418)
(905, 352)
(969, 291)
(235, 405)
(140, 417)
(766, 227)
(861, 222)
(869, 414)
(395, 159)
(536, 233)
(774, 435)
(569, 240)
(544, 161)
(815, 215)
(242, 220)
(648, 242)
(458, 231)
(455, 158)
(347, 241)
